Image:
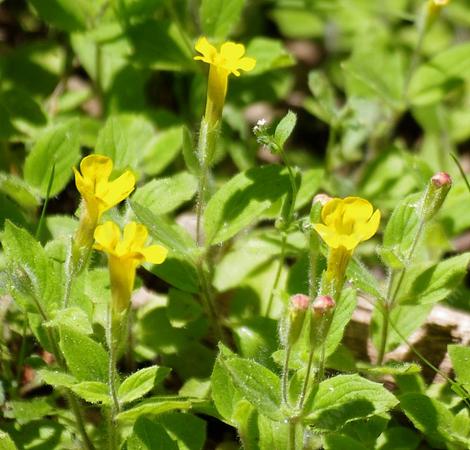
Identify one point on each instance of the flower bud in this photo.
(435, 194)
(298, 305)
(322, 313)
(322, 198)
(323, 305)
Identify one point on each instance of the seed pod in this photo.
(298, 306)
(322, 313)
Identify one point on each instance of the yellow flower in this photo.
(229, 60)
(347, 222)
(124, 256)
(435, 6)
(97, 191)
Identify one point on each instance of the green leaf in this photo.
(63, 14)
(219, 17)
(169, 234)
(242, 200)
(259, 385)
(140, 383)
(178, 272)
(186, 429)
(19, 191)
(429, 416)
(59, 146)
(345, 398)
(56, 378)
(223, 391)
(460, 357)
(6, 442)
(390, 368)
(298, 23)
(434, 79)
(363, 279)
(122, 139)
(164, 195)
(155, 406)
(86, 359)
(182, 308)
(270, 54)
(189, 152)
(149, 435)
(24, 411)
(323, 105)
(400, 232)
(435, 283)
(335, 441)
(35, 281)
(72, 317)
(92, 392)
(161, 150)
(285, 128)
(398, 438)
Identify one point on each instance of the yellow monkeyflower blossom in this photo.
(228, 60)
(435, 7)
(346, 223)
(97, 191)
(125, 254)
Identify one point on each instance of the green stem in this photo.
(207, 298)
(285, 375)
(22, 353)
(278, 274)
(393, 291)
(292, 430)
(307, 379)
(329, 149)
(113, 344)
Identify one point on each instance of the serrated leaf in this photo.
(270, 54)
(218, 17)
(57, 146)
(149, 435)
(35, 281)
(92, 392)
(400, 232)
(140, 383)
(86, 359)
(429, 416)
(345, 398)
(460, 357)
(19, 191)
(56, 378)
(285, 128)
(161, 150)
(164, 195)
(435, 283)
(155, 406)
(122, 139)
(259, 385)
(242, 200)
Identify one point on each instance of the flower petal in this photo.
(247, 64)
(154, 254)
(107, 237)
(208, 51)
(332, 210)
(368, 229)
(135, 236)
(232, 52)
(119, 189)
(96, 168)
(357, 209)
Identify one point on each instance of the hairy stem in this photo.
(285, 375)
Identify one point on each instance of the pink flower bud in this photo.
(441, 179)
(321, 198)
(323, 304)
(299, 302)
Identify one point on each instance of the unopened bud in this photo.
(323, 304)
(298, 306)
(322, 309)
(322, 198)
(435, 194)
